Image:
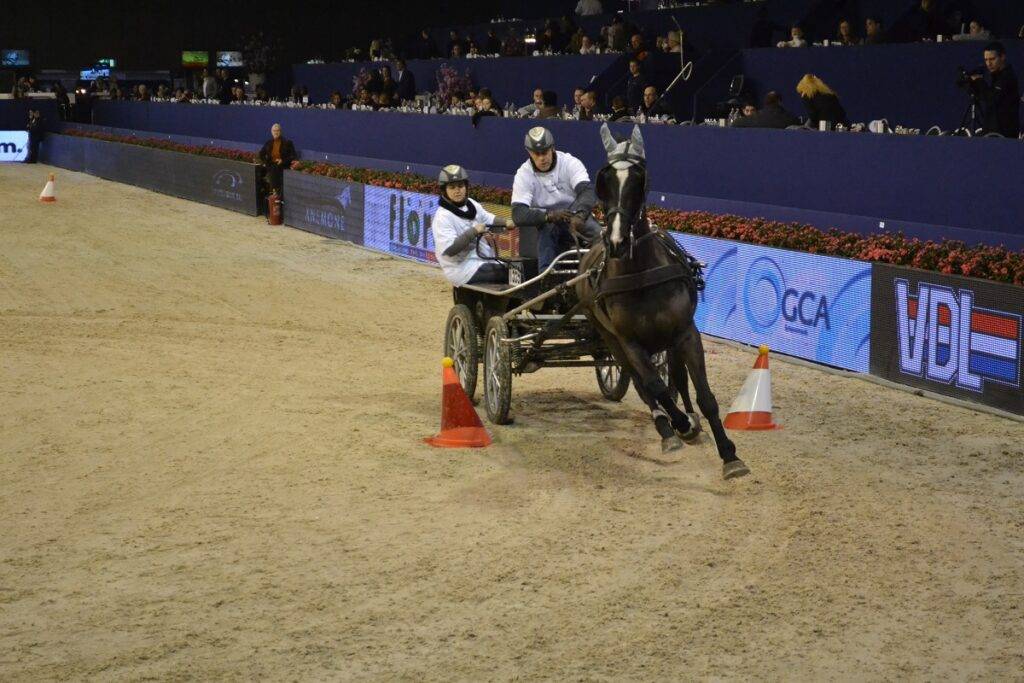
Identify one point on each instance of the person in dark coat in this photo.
(1000, 97)
(275, 156)
(772, 115)
(652, 107)
(406, 82)
(636, 83)
(619, 109)
(36, 132)
(820, 101)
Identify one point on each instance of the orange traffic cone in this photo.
(752, 409)
(460, 425)
(49, 193)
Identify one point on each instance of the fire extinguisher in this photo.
(274, 214)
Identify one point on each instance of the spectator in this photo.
(619, 109)
(36, 133)
(796, 38)
(576, 42)
(143, 93)
(616, 34)
(922, 22)
(162, 91)
(549, 110)
(376, 51)
(424, 47)
(532, 109)
(763, 31)
(406, 83)
(275, 156)
(635, 84)
(820, 101)
(492, 45)
(637, 49)
(63, 101)
(577, 97)
(673, 44)
(588, 106)
(239, 94)
(749, 109)
(873, 33)
(457, 52)
(845, 34)
(454, 41)
(1000, 96)
(261, 94)
(772, 115)
(387, 83)
(587, 46)
(588, 8)
(975, 32)
(337, 101)
(209, 85)
(513, 45)
(652, 107)
(485, 107)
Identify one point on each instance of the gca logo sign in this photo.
(13, 145)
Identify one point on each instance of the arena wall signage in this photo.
(952, 335)
(219, 182)
(804, 305)
(398, 222)
(13, 145)
(326, 206)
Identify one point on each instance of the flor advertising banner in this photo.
(398, 222)
(804, 305)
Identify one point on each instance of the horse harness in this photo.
(683, 267)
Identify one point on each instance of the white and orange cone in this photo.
(752, 409)
(49, 193)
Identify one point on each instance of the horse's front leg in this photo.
(668, 419)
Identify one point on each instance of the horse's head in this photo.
(622, 188)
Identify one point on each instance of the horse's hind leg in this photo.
(680, 376)
(668, 419)
(691, 349)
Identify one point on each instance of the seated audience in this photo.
(531, 109)
(771, 115)
(492, 45)
(922, 22)
(652, 107)
(485, 107)
(619, 109)
(820, 101)
(975, 31)
(796, 38)
(406, 82)
(588, 106)
(845, 34)
(337, 101)
(387, 83)
(275, 156)
(587, 46)
(513, 45)
(549, 110)
(873, 33)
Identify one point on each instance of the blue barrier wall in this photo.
(947, 184)
(509, 78)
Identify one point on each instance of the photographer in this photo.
(999, 96)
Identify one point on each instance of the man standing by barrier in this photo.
(552, 192)
(1000, 97)
(276, 155)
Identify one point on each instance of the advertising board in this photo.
(398, 222)
(326, 206)
(13, 145)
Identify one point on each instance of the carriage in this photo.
(531, 322)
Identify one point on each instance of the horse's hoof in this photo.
(734, 468)
(692, 436)
(671, 443)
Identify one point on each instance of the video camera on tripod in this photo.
(971, 122)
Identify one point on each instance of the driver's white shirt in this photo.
(446, 227)
(552, 190)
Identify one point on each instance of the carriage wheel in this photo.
(612, 381)
(460, 344)
(497, 372)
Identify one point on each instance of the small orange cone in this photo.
(460, 425)
(49, 193)
(752, 409)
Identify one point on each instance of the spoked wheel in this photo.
(612, 381)
(460, 344)
(497, 372)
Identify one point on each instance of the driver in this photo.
(553, 192)
(457, 223)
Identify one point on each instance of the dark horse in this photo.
(642, 298)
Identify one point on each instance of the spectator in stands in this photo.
(485, 107)
(455, 41)
(922, 22)
(587, 46)
(652, 107)
(549, 110)
(513, 45)
(143, 93)
(492, 46)
(209, 85)
(763, 31)
(796, 38)
(575, 42)
(376, 51)
(975, 31)
(635, 84)
(406, 82)
(820, 101)
(531, 109)
(619, 109)
(424, 47)
(1000, 95)
(588, 8)
(873, 33)
(749, 109)
(387, 83)
(577, 98)
(162, 91)
(637, 49)
(337, 101)
(261, 94)
(239, 94)
(588, 106)
(772, 115)
(616, 35)
(845, 34)
(457, 52)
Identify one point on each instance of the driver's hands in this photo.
(558, 216)
(480, 228)
(576, 224)
(509, 224)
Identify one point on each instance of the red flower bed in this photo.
(951, 257)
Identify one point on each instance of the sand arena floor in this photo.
(211, 467)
